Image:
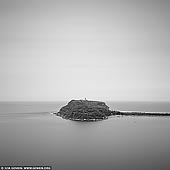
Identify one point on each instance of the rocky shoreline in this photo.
(85, 110)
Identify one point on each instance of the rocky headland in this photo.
(85, 110)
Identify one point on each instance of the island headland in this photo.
(86, 110)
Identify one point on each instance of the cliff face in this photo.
(85, 110)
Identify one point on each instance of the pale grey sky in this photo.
(98, 49)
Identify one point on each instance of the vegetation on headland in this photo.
(85, 110)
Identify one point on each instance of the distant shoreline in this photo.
(138, 113)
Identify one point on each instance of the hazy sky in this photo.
(98, 49)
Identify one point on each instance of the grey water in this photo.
(30, 135)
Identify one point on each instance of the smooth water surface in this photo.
(29, 135)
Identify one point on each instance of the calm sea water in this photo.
(29, 135)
